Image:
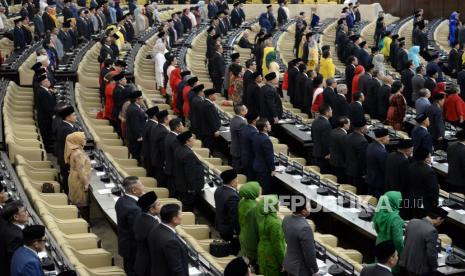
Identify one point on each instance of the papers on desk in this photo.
(42, 254)
(100, 173)
(461, 211)
(104, 191)
(280, 168)
(308, 132)
(446, 208)
(115, 198)
(313, 187)
(193, 271)
(206, 186)
(93, 162)
(282, 121)
(110, 185)
(298, 177)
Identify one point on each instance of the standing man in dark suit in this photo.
(18, 35)
(397, 164)
(67, 12)
(340, 104)
(423, 187)
(337, 144)
(282, 15)
(126, 213)
(292, 73)
(372, 88)
(402, 57)
(352, 62)
(66, 127)
(157, 141)
(218, 68)
(418, 82)
(271, 107)
(146, 145)
(235, 126)
(16, 217)
(461, 82)
(263, 162)
(364, 80)
(437, 127)
(376, 162)
(406, 78)
(421, 138)
(246, 137)
(300, 257)
(355, 154)
(420, 255)
(251, 67)
(387, 257)
(195, 111)
(168, 251)
(321, 129)
(329, 93)
(253, 93)
(49, 23)
(189, 172)
(236, 16)
(382, 98)
(170, 146)
(456, 159)
(135, 120)
(143, 224)
(356, 110)
(226, 206)
(454, 62)
(211, 122)
(45, 105)
(25, 260)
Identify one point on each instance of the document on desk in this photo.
(193, 271)
(110, 185)
(104, 191)
(100, 173)
(460, 212)
(298, 177)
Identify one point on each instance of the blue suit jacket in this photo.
(25, 263)
(376, 166)
(264, 154)
(422, 138)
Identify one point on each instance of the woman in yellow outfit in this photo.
(387, 40)
(268, 49)
(312, 55)
(327, 67)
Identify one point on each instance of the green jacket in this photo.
(271, 245)
(248, 236)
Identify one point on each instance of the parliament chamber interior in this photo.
(215, 137)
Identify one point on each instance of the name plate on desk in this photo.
(100, 173)
(104, 191)
(110, 185)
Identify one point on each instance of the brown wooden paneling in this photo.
(433, 8)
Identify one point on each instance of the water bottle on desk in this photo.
(449, 250)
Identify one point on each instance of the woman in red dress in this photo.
(109, 96)
(175, 79)
(359, 70)
(397, 106)
(185, 95)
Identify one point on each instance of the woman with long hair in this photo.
(327, 67)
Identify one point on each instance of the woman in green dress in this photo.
(271, 245)
(387, 222)
(248, 236)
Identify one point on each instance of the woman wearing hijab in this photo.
(386, 45)
(397, 106)
(271, 64)
(271, 245)
(79, 174)
(359, 70)
(327, 67)
(269, 49)
(387, 222)
(378, 62)
(414, 55)
(175, 79)
(140, 19)
(159, 59)
(318, 99)
(248, 236)
(235, 89)
(453, 23)
(109, 88)
(312, 54)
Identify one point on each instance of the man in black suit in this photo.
(393, 49)
(211, 122)
(356, 111)
(271, 107)
(45, 107)
(235, 126)
(292, 73)
(251, 67)
(372, 88)
(337, 146)
(423, 41)
(355, 153)
(397, 164)
(82, 25)
(423, 187)
(387, 258)
(461, 82)
(67, 12)
(246, 140)
(364, 80)
(236, 15)
(421, 138)
(188, 170)
(66, 127)
(65, 36)
(226, 205)
(329, 93)
(252, 94)
(402, 57)
(382, 98)
(170, 145)
(437, 127)
(352, 48)
(105, 51)
(18, 35)
(456, 159)
(218, 68)
(376, 156)
(340, 104)
(146, 137)
(321, 129)
(119, 96)
(16, 217)
(406, 77)
(143, 224)
(168, 251)
(49, 23)
(157, 140)
(126, 213)
(135, 121)
(263, 162)
(455, 60)
(195, 111)
(352, 62)
(282, 15)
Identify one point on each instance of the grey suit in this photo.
(300, 258)
(420, 255)
(375, 270)
(418, 82)
(235, 128)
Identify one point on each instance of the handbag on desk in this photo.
(220, 248)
